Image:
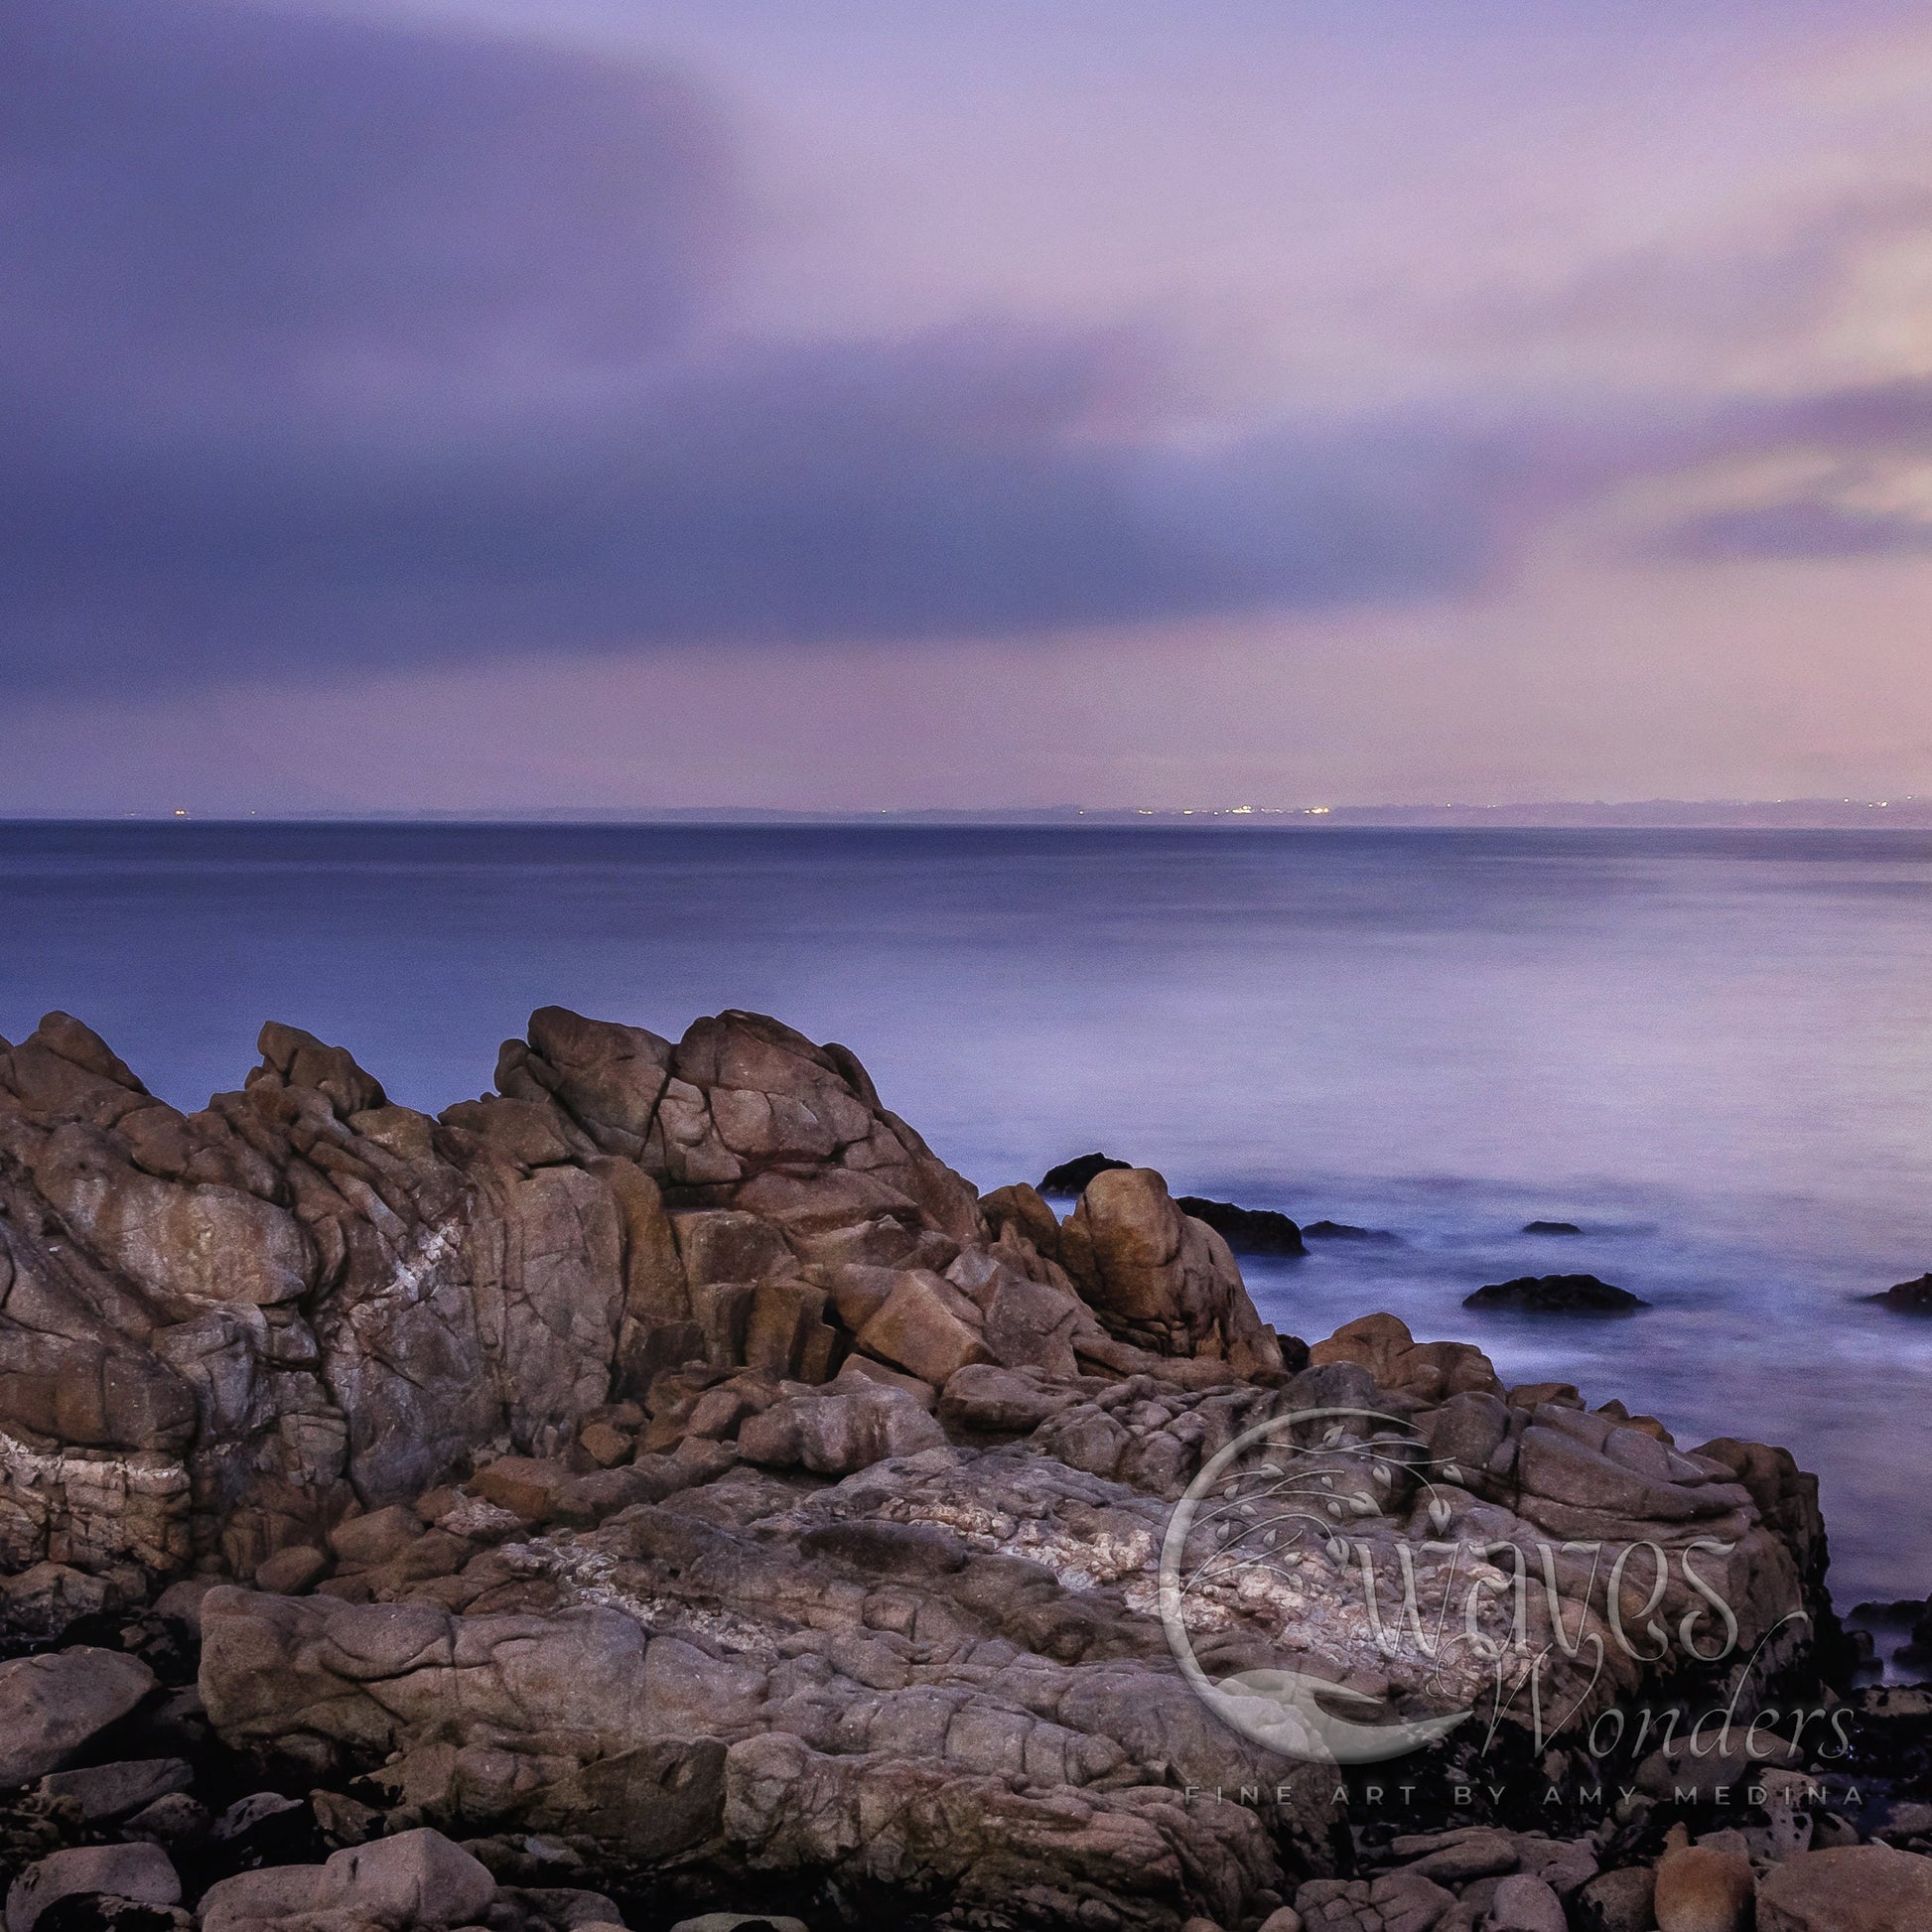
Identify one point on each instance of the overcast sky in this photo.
(859, 403)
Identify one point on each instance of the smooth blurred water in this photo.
(1713, 1050)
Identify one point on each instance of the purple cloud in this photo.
(1808, 527)
(331, 343)
(209, 195)
(336, 343)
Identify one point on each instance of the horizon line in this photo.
(1814, 812)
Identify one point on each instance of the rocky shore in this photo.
(661, 1488)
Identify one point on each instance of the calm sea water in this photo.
(1711, 1051)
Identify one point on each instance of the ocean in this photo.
(1711, 1051)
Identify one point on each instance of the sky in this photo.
(853, 405)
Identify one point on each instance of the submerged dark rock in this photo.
(1343, 1231)
(1555, 1294)
(1551, 1228)
(1247, 1230)
(1070, 1177)
(1912, 1614)
(1911, 1298)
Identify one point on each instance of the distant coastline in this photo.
(1910, 812)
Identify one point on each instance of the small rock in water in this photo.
(1912, 1298)
(1904, 1611)
(1912, 1614)
(1551, 1228)
(1247, 1230)
(1070, 1177)
(1343, 1231)
(1555, 1294)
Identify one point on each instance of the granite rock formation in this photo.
(665, 1473)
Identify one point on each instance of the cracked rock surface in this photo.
(662, 1485)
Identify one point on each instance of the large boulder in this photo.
(926, 1326)
(1848, 1888)
(141, 1873)
(840, 1432)
(1161, 1280)
(53, 1706)
(1705, 1889)
(415, 1878)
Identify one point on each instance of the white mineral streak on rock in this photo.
(590, 1577)
(99, 1470)
(1077, 1562)
(477, 1517)
(432, 1246)
(413, 1274)
(90, 1506)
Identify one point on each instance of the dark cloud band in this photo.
(327, 345)
(334, 344)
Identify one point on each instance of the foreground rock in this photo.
(52, 1706)
(1161, 1279)
(665, 1473)
(140, 1873)
(417, 1877)
(969, 1770)
(1853, 1888)
(1704, 1888)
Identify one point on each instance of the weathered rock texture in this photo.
(223, 1332)
(669, 1456)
